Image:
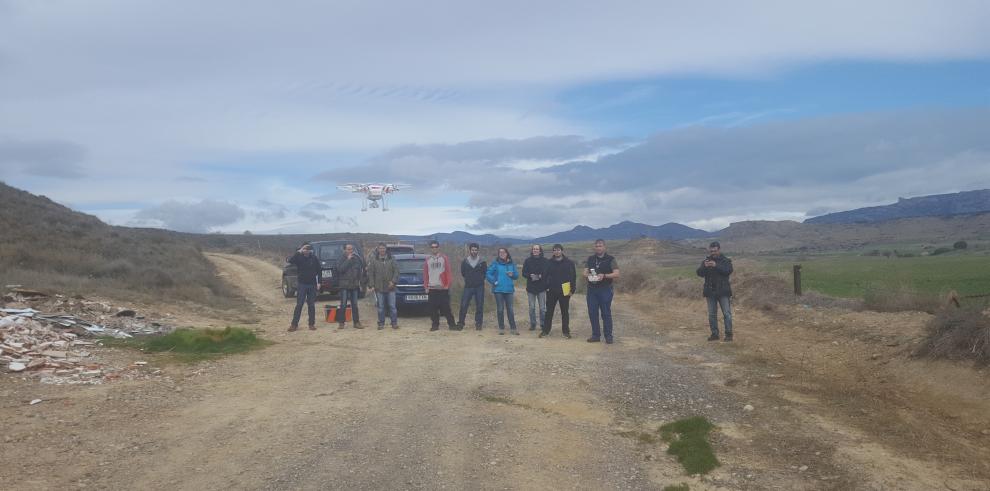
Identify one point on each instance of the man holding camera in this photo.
(600, 269)
(715, 269)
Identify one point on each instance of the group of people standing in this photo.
(550, 282)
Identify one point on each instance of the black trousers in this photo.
(553, 298)
(439, 304)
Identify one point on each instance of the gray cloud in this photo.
(193, 217)
(44, 158)
(317, 206)
(713, 175)
(518, 216)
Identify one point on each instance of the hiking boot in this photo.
(435, 328)
(728, 337)
(293, 327)
(501, 332)
(514, 332)
(381, 326)
(567, 335)
(532, 328)
(608, 340)
(460, 325)
(455, 328)
(593, 339)
(312, 327)
(341, 326)
(543, 334)
(477, 328)
(713, 337)
(395, 326)
(357, 325)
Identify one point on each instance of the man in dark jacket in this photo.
(473, 270)
(308, 270)
(561, 278)
(601, 269)
(715, 269)
(351, 276)
(535, 270)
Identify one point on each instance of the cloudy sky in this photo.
(517, 118)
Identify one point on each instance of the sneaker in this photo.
(455, 328)
(357, 325)
(312, 327)
(501, 332)
(514, 332)
(435, 328)
(567, 335)
(713, 337)
(341, 326)
(293, 327)
(608, 340)
(728, 337)
(593, 339)
(395, 326)
(381, 326)
(460, 325)
(543, 334)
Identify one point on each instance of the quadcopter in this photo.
(373, 193)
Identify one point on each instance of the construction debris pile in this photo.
(56, 347)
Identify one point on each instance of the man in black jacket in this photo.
(351, 277)
(561, 279)
(602, 270)
(715, 269)
(534, 270)
(308, 270)
(473, 270)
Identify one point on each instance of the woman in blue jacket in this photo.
(501, 274)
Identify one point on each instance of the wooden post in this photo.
(797, 279)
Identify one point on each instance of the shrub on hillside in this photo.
(958, 334)
(960, 245)
(904, 300)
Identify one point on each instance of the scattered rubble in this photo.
(54, 346)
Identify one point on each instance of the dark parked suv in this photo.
(329, 252)
(410, 291)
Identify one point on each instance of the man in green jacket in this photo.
(383, 274)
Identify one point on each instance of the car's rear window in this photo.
(331, 252)
(410, 265)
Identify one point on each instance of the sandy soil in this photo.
(368, 409)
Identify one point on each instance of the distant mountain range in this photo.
(937, 205)
(581, 233)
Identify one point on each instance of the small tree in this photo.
(960, 245)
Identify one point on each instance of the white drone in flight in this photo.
(373, 193)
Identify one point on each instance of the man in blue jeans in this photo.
(383, 275)
(473, 269)
(715, 269)
(308, 269)
(350, 280)
(601, 270)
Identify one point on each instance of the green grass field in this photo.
(854, 276)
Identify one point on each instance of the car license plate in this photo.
(327, 273)
(415, 298)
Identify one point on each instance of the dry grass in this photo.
(49, 247)
(958, 334)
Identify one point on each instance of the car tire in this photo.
(287, 291)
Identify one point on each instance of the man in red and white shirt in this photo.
(436, 279)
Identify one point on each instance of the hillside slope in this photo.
(940, 205)
(47, 246)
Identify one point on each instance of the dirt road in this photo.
(368, 409)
